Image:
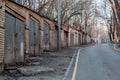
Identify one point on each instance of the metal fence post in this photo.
(59, 25)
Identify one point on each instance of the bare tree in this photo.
(116, 17)
(75, 13)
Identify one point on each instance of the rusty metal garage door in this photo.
(71, 39)
(79, 39)
(14, 40)
(19, 41)
(34, 38)
(46, 37)
(66, 38)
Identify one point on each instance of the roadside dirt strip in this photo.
(49, 66)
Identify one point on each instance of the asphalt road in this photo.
(98, 62)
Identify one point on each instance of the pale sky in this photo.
(105, 13)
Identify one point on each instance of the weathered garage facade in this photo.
(64, 36)
(2, 33)
(24, 33)
(74, 37)
(34, 37)
(14, 39)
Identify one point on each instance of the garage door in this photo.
(34, 38)
(14, 40)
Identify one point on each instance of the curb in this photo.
(70, 65)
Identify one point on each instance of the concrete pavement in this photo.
(98, 62)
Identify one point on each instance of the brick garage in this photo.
(2, 14)
(69, 36)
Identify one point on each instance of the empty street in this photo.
(98, 62)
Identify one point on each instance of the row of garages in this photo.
(25, 33)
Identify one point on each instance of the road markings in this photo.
(70, 65)
(76, 65)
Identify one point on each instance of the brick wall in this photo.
(2, 15)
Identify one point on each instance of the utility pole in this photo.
(59, 26)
